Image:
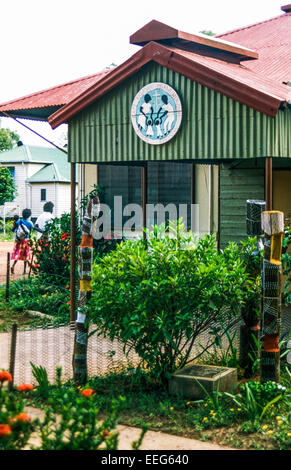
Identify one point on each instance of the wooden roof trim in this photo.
(157, 31)
(264, 102)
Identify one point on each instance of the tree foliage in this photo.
(7, 186)
(8, 139)
(208, 32)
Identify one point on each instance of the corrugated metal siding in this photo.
(236, 186)
(213, 126)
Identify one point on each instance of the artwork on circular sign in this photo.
(156, 113)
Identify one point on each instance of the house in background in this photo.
(40, 174)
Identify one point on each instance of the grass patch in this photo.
(33, 294)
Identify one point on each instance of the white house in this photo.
(40, 174)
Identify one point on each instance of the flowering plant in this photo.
(15, 425)
(51, 253)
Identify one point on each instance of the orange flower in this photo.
(5, 376)
(25, 387)
(67, 287)
(105, 433)
(22, 417)
(5, 430)
(87, 392)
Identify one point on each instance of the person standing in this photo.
(21, 250)
(44, 218)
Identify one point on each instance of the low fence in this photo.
(52, 346)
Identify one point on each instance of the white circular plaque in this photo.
(156, 113)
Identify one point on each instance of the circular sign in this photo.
(156, 113)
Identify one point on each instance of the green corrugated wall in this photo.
(213, 126)
(236, 186)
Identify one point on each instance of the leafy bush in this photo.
(255, 398)
(71, 423)
(70, 419)
(159, 297)
(51, 255)
(7, 186)
(103, 246)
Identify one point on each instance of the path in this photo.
(6, 247)
(153, 440)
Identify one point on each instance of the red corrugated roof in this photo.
(257, 83)
(272, 40)
(55, 96)
(233, 80)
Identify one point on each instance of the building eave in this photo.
(266, 102)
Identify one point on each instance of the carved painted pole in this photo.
(273, 227)
(250, 329)
(85, 273)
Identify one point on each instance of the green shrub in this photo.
(255, 398)
(103, 246)
(51, 255)
(159, 297)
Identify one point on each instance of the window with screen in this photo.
(168, 183)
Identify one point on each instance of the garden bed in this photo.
(147, 405)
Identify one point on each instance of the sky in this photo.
(44, 44)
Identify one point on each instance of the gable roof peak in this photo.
(165, 34)
(286, 8)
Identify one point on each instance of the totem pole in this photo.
(250, 329)
(85, 273)
(273, 227)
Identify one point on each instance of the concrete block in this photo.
(212, 378)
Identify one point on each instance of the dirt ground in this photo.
(7, 247)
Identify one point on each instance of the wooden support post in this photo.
(12, 354)
(144, 196)
(7, 278)
(73, 246)
(250, 330)
(273, 227)
(269, 183)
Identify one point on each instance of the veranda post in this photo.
(250, 329)
(273, 227)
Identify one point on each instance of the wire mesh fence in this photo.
(52, 346)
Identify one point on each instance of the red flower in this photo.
(105, 433)
(22, 417)
(5, 430)
(25, 387)
(87, 392)
(5, 376)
